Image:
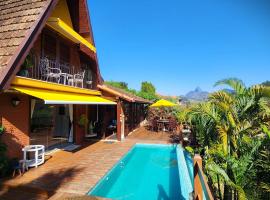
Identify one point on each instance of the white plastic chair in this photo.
(49, 72)
(77, 79)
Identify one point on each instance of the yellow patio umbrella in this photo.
(164, 103)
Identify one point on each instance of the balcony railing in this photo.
(62, 73)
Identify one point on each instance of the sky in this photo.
(181, 44)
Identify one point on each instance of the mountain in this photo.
(197, 95)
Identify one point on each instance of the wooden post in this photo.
(119, 114)
(87, 117)
(198, 193)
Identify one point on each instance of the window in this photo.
(49, 47)
(55, 49)
(64, 53)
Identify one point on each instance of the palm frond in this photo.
(264, 106)
(237, 85)
(256, 90)
(223, 135)
(265, 187)
(216, 169)
(221, 96)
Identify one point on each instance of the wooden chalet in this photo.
(50, 80)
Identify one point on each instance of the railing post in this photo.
(197, 161)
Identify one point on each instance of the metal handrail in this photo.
(55, 69)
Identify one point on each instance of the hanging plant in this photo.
(2, 129)
(83, 121)
(26, 66)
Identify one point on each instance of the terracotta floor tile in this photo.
(74, 173)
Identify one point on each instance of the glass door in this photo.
(50, 125)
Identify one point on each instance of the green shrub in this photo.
(4, 161)
(2, 129)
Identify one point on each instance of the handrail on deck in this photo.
(201, 186)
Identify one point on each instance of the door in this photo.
(62, 122)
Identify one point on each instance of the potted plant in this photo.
(2, 129)
(83, 121)
(27, 64)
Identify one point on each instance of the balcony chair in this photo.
(48, 72)
(77, 79)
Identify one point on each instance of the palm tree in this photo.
(226, 126)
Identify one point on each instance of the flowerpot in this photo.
(23, 72)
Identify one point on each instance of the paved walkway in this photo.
(70, 174)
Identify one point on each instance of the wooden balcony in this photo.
(49, 70)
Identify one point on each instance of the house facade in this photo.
(50, 83)
(130, 112)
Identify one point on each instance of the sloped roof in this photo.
(16, 18)
(123, 94)
(21, 21)
(18, 21)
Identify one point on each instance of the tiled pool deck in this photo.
(67, 175)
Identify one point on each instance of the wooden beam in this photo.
(87, 116)
(119, 116)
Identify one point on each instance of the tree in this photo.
(118, 84)
(148, 91)
(226, 127)
(266, 83)
(148, 87)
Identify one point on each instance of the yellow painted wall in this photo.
(61, 11)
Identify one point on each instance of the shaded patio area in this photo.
(73, 174)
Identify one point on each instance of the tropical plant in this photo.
(4, 162)
(226, 127)
(83, 121)
(2, 129)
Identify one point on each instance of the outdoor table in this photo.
(66, 76)
(163, 122)
(39, 154)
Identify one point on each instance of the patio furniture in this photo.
(24, 164)
(162, 124)
(66, 77)
(89, 83)
(172, 125)
(16, 167)
(91, 131)
(37, 159)
(153, 125)
(49, 72)
(77, 79)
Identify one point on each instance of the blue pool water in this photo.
(148, 172)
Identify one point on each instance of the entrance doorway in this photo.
(50, 125)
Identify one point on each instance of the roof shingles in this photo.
(16, 19)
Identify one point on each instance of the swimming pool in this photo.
(147, 172)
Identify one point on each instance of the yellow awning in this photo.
(164, 103)
(61, 27)
(56, 97)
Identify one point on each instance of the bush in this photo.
(4, 161)
(2, 129)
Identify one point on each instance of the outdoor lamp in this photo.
(15, 101)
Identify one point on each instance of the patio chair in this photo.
(48, 72)
(16, 167)
(77, 79)
(160, 126)
(154, 125)
(89, 78)
(172, 125)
